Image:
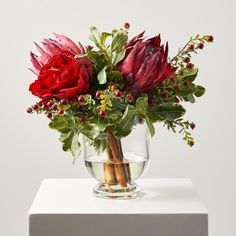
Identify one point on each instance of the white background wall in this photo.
(29, 150)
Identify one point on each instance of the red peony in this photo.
(145, 64)
(60, 74)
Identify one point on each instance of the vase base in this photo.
(108, 191)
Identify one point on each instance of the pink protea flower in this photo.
(146, 64)
(60, 74)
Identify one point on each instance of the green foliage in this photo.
(199, 91)
(124, 127)
(189, 74)
(166, 111)
(102, 76)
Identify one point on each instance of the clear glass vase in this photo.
(123, 161)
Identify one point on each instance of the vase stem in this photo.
(116, 171)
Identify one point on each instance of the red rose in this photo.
(145, 64)
(60, 75)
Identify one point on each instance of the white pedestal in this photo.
(67, 207)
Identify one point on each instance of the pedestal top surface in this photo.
(75, 196)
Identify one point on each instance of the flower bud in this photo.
(191, 47)
(29, 110)
(54, 107)
(63, 101)
(126, 25)
(192, 125)
(61, 112)
(81, 99)
(102, 113)
(189, 65)
(49, 115)
(186, 83)
(210, 38)
(130, 98)
(118, 93)
(187, 59)
(200, 45)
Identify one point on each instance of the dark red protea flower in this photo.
(60, 74)
(146, 64)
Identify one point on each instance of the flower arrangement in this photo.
(102, 91)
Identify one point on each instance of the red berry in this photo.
(54, 107)
(49, 115)
(35, 106)
(29, 110)
(82, 119)
(177, 100)
(191, 47)
(98, 94)
(81, 98)
(118, 93)
(210, 38)
(63, 101)
(141, 120)
(113, 87)
(186, 83)
(177, 88)
(89, 47)
(61, 112)
(102, 113)
(165, 95)
(173, 79)
(200, 45)
(190, 65)
(187, 59)
(192, 125)
(126, 25)
(49, 104)
(130, 98)
(40, 103)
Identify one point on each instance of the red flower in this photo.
(145, 64)
(60, 75)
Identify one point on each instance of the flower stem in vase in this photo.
(116, 171)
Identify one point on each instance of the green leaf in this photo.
(168, 111)
(99, 145)
(114, 114)
(189, 74)
(199, 91)
(90, 130)
(184, 91)
(151, 128)
(103, 38)
(102, 76)
(124, 127)
(116, 77)
(75, 147)
(141, 105)
(59, 122)
(190, 98)
(95, 36)
(119, 40)
(117, 57)
(118, 104)
(66, 139)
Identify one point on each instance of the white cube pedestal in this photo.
(67, 207)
